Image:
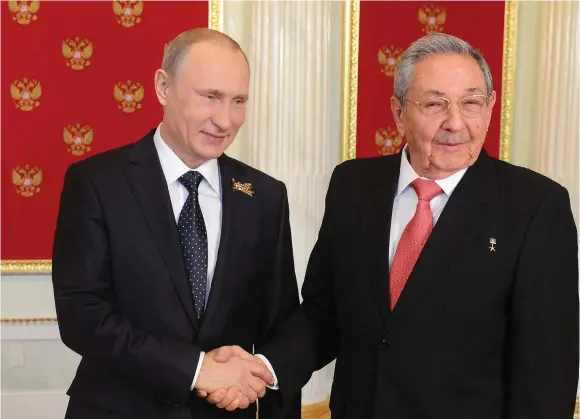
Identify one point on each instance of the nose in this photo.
(453, 121)
(221, 116)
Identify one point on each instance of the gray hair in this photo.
(430, 45)
(177, 49)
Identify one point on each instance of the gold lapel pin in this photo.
(243, 187)
(492, 243)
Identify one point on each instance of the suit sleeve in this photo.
(283, 300)
(542, 336)
(90, 323)
(309, 340)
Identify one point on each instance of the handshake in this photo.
(231, 378)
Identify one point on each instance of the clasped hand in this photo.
(231, 378)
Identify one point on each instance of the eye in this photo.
(240, 101)
(210, 96)
(433, 104)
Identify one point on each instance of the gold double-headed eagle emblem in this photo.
(23, 12)
(388, 58)
(78, 138)
(432, 17)
(388, 140)
(26, 93)
(128, 12)
(27, 180)
(77, 50)
(128, 94)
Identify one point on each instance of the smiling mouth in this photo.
(215, 136)
(450, 144)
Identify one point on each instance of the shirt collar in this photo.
(173, 167)
(407, 175)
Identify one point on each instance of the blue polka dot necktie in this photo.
(194, 239)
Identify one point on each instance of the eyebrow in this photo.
(220, 94)
(433, 92)
(471, 90)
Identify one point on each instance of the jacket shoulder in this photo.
(105, 162)
(518, 179)
(365, 167)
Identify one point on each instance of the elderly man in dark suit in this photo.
(443, 281)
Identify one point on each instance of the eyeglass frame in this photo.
(487, 99)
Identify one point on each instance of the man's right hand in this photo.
(237, 380)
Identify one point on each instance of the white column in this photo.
(292, 127)
(547, 93)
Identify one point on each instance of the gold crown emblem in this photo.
(388, 140)
(388, 58)
(128, 95)
(433, 17)
(26, 93)
(78, 137)
(77, 51)
(27, 180)
(23, 12)
(128, 12)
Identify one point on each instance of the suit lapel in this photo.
(234, 212)
(460, 221)
(381, 199)
(148, 183)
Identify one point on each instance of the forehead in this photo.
(215, 65)
(449, 74)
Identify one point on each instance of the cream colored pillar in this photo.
(292, 127)
(547, 95)
(547, 92)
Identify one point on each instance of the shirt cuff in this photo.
(275, 385)
(201, 355)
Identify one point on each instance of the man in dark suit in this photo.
(166, 249)
(443, 281)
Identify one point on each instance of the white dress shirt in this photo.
(405, 203)
(210, 201)
(209, 197)
(209, 194)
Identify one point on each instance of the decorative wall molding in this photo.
(12, 267)
(216, 15)
(349, 79)
(30, 320)
(508, 79)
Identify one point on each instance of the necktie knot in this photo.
(426, 189)
(191, 180)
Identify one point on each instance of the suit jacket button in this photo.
(385, 345)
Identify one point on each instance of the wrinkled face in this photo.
(204, 102)
(441, 140)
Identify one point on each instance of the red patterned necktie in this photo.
(413, 238)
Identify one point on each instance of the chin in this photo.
(451, 164)
(209, 153)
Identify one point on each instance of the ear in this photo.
(490, 108)
(162, 86)
(398, 114)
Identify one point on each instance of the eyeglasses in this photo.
(470, 106)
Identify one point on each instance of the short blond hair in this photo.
(177, 49)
